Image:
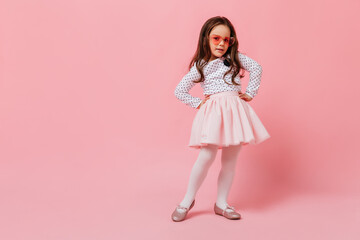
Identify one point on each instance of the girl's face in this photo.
(219, 39)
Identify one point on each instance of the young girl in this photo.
(224, 120)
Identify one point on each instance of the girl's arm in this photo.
(183, 88)
(255, 70)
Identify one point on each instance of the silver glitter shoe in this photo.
(229, 215)
(180, 216)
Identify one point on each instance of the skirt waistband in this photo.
(227, 93)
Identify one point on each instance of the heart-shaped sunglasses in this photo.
(216, 40)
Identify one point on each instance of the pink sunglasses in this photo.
(216, 40)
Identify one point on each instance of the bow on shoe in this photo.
(181, 207)
(230, 207)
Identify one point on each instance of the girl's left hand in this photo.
(245, 97)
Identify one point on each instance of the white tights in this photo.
(200, 169)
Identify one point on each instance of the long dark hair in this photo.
(203, 51)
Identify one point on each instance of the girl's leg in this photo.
(199, 171)
(229, 158)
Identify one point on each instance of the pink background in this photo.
(93, 142)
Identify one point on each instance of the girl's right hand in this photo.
(203, 101)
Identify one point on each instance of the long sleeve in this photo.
(255, 70)
(184, 86)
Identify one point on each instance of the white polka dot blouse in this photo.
(214, 72)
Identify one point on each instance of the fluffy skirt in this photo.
(225, 119)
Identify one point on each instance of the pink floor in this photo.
(298, 217)
(87, 201)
